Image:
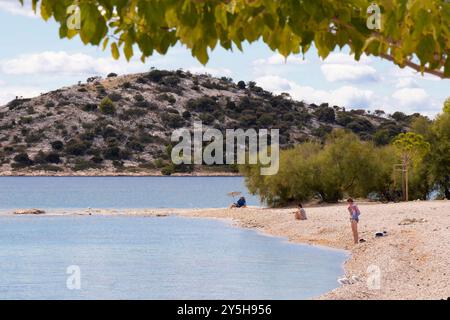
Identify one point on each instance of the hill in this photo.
(123, 124)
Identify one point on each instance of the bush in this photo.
(93, 79)
(39, 158)
(107, 107)
(203, 104)
(115, 153)
(34, 137)
(157, 75)
(57, 145)
(52, 157)
(76, 147)
(360, 126)
(48, 167)
(186, 114)
(167, 97)
(126, 85)
(135, 145)
(207, 118)
(325, 114)
(114, 96)
(97, 159)
(146, 105)
(112, 75)
(23, 160)
(25, 120)
(82, 164)
(399, 116)
(168, 170)
(172, 120)
(118, 164)
(134, 113)
(43, 158)
(171, 81)
(90, 107)
(49, 104)
(266, 120)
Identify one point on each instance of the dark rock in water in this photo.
(162, 215)
(29, 211)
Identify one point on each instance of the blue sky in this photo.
(33, 60)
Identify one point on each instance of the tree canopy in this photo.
(413, 33)
(345, 165)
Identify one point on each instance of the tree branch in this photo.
(416, 67)
(388, 57)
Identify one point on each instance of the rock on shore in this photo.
(29, 211)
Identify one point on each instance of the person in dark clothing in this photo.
(241, 203)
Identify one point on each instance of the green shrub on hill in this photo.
(107, 107)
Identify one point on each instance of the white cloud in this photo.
(274, 83)
(15, 8)
(344, 96)
(412, 99)
(64, 64)
(343, 67)
(343, 58)
(397, 72)
(406, 82)
(215, 72)
(8, 93)
(278, 59)
(277, 65)
(349, 73)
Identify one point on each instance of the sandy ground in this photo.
(411, 262)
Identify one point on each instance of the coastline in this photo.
(412, 259)
(103, 173)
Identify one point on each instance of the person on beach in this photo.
(354, 218)
(241, 203)
(300, 214)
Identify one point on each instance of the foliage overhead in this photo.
(413, 33)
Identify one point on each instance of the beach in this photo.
(410, 262)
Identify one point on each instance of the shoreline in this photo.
(114, 174)
(411, 261)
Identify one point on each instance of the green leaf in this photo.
(115, 51)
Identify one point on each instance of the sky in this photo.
(34, 60)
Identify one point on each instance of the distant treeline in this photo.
(346, 165)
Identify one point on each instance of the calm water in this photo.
(120, 192)
(155, 258)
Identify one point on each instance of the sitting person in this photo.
(300, 214)
(241, 203)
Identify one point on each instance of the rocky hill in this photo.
(122, 125)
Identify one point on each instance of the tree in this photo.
(325, 114)
(412, 33)
(440, 152)
(447, 106)
(107, 106)
(410, 146)
(22, 160)
(345, 165)
(241, 85)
